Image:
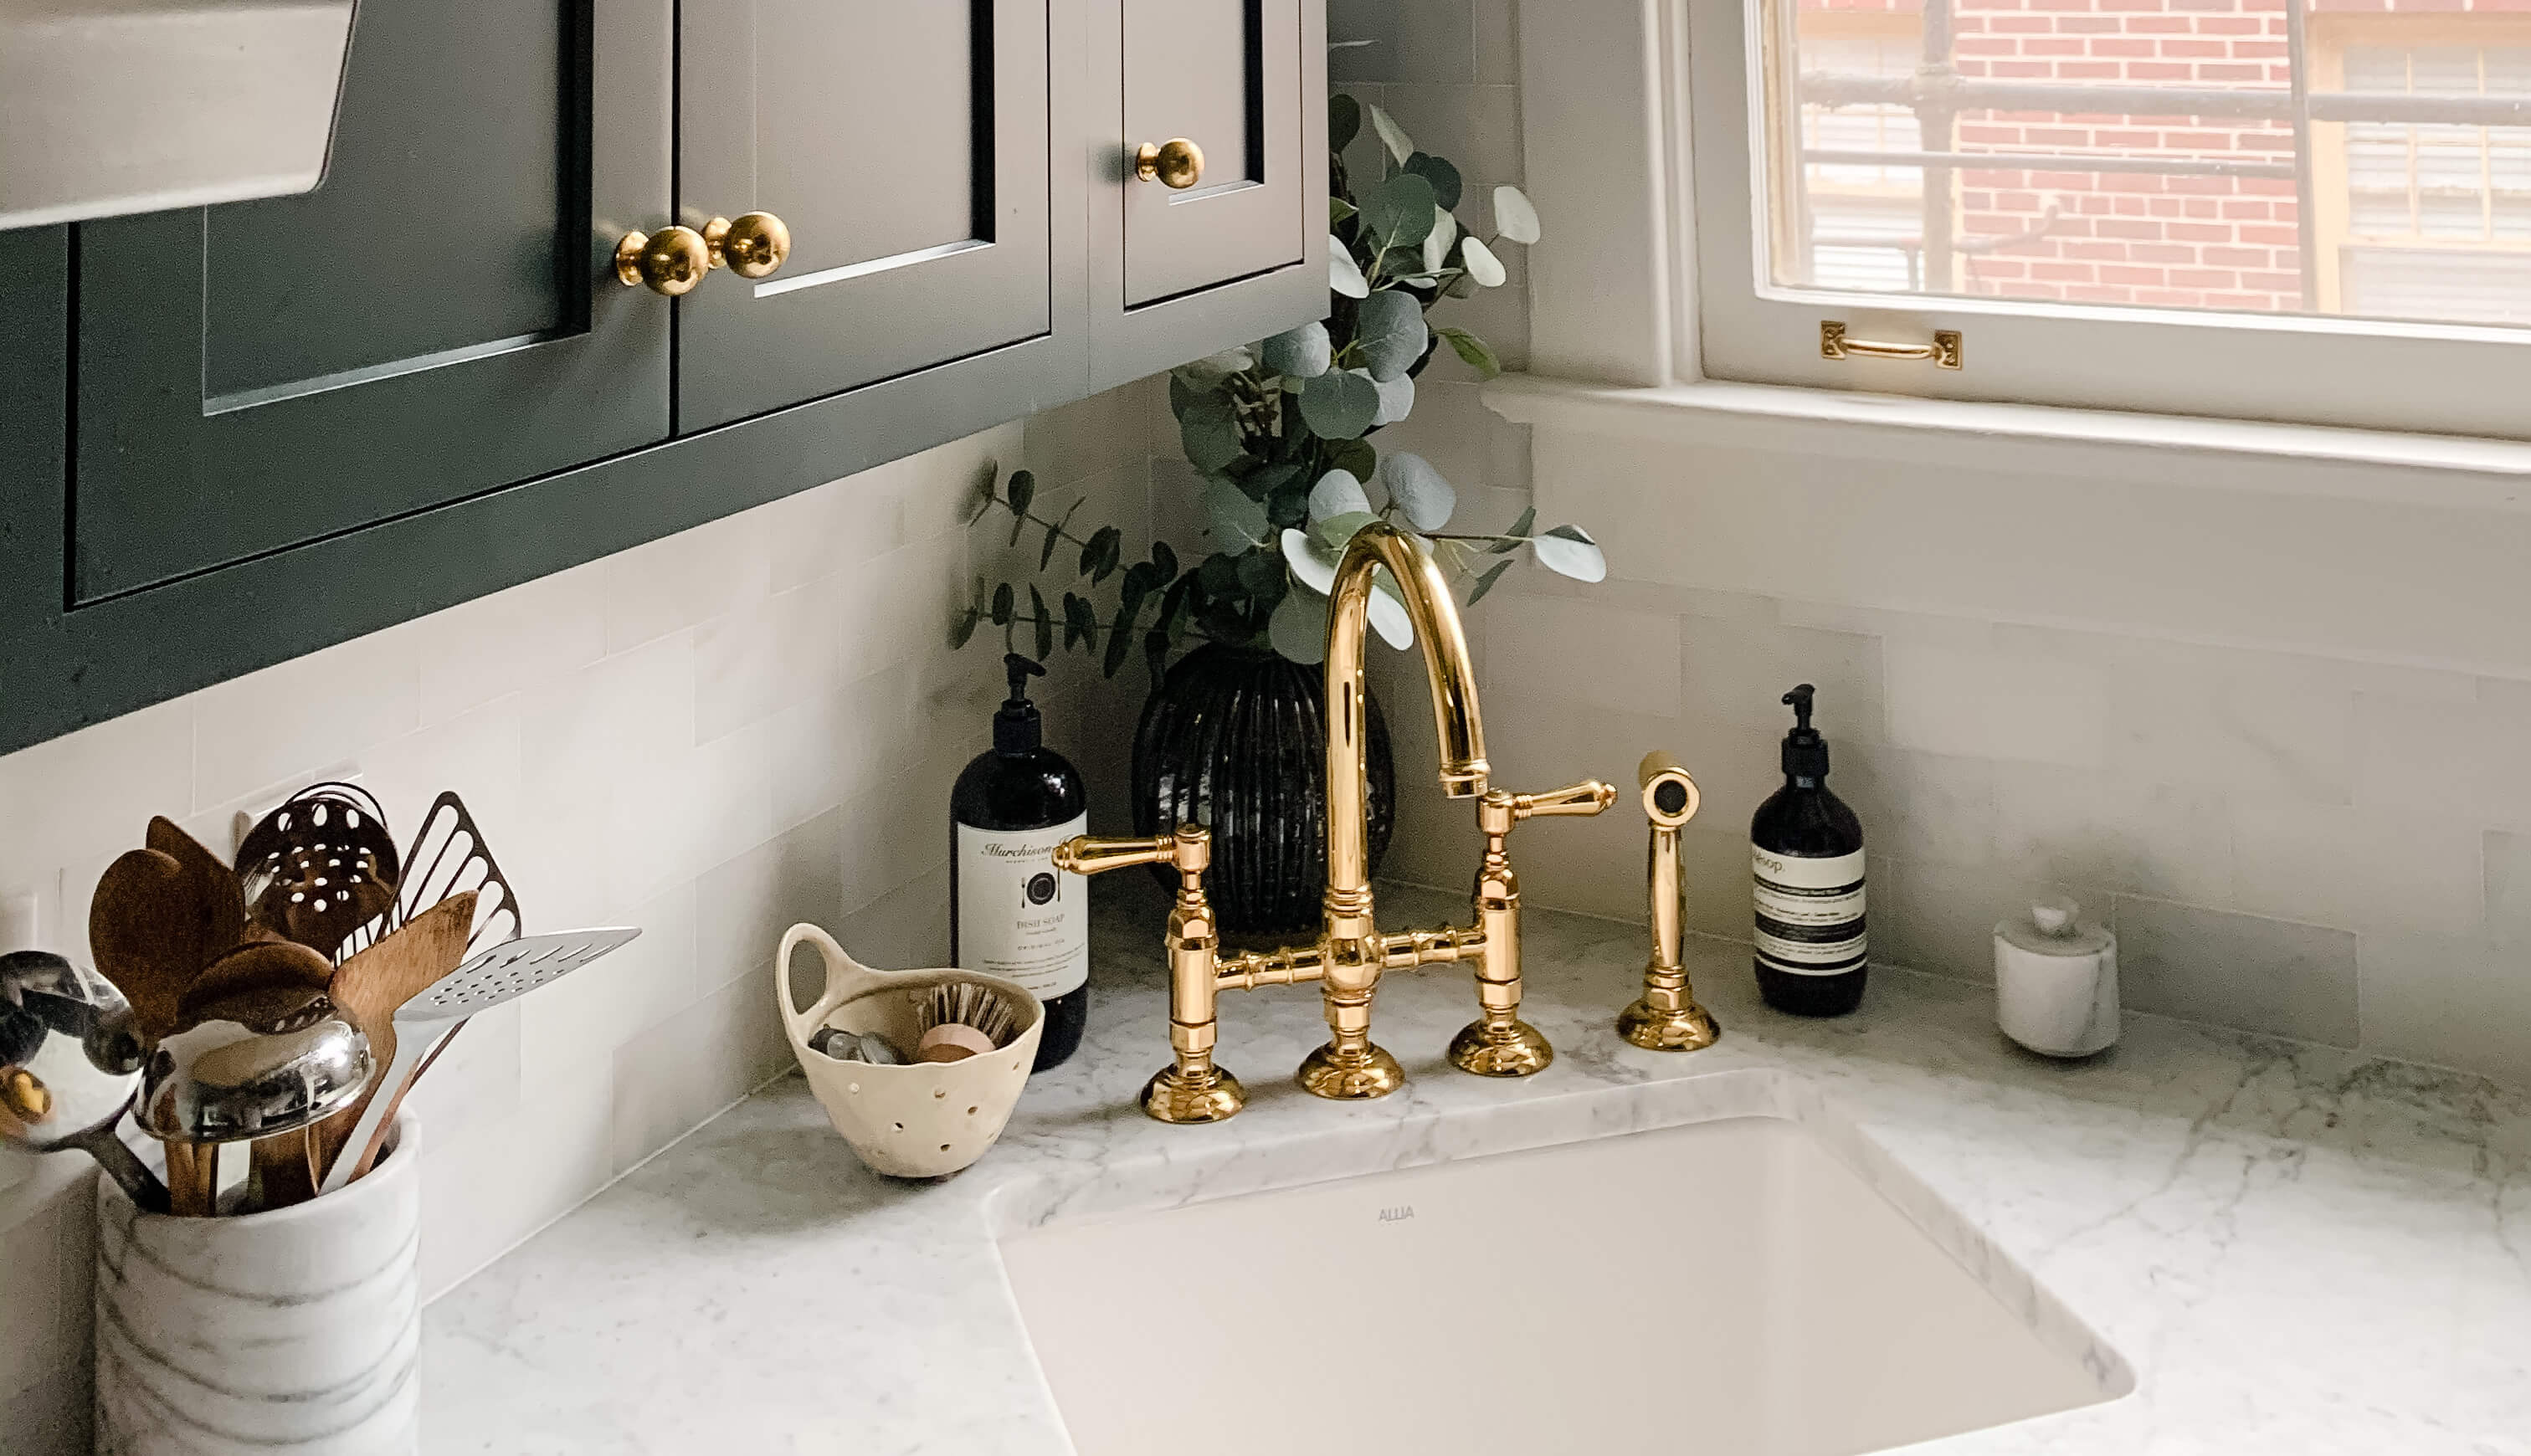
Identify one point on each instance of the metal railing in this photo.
(1937, 93)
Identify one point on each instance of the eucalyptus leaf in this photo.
(1486, 582)
(1021, 491)
(1569, 551)
(1338, 210)
(1396, 400)
(1335, 530)
(1482, 264)
(1475, 352)
(1043, 620)
(962, 626)
(1098, 555)
(1054, 534)
(1436, 243)
(1165, 561)
(1392, 136)
(1418, 490)
(1392, 333)
(1344, 120)
(1298, 353)
(1080, 620)
(1520, 528)
(1438, 171)
(1514, 217)
(1260, 575)
(1210, 446)
(1310, 563)
(1399, 211)
(1231, 361)
(1003, 604)
(1297, 630)
(1344, 275)
(1199, 396)
(1340, 405)
(1233, 515)
(1336, 494)
(1117, 641)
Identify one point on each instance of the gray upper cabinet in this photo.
(435, 321)
(1210, 224)
(233, 435)
(904, 147)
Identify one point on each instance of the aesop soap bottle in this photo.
(1806, 855)
(1010, 913)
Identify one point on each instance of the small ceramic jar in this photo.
(2056, 980)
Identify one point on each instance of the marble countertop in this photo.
(2298, 1250)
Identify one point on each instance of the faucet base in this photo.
(1689, 1028)
(1209, 1096)
(1350, 1076)
(1512, 1048)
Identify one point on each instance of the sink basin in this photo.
(1743, 1286)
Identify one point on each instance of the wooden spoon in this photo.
(146, 936)
(373, 984)
(212, 893)
(254, 967)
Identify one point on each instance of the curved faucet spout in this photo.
(1457, 727)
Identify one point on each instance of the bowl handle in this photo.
(845, 977)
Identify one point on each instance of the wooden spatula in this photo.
(370, 986)
(146, 936)
(212, 895)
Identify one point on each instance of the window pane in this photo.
(2156, 153)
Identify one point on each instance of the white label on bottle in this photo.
(1019, 918)
(1810, 911)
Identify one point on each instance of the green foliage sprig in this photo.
(1278, 432)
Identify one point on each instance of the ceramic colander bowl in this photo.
(923, 1119)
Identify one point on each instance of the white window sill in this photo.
(2300, 460)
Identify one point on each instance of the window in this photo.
(2293, 209)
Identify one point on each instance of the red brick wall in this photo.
(2125, 238)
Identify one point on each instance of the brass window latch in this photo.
(1944, 351)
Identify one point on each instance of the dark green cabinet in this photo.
(260, 375)
(232, 435)
(905, 147)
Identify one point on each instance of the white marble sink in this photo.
(1768, 1283)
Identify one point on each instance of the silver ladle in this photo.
(258, 1064)
(69, 1064)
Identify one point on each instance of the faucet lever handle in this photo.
(1587, 798)
(1190, 848)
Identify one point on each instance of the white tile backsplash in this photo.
(710, 736)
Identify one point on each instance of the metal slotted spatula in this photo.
(486, 979)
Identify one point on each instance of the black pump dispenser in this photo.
(1805, 859)
(1011, 912)
(1019, 728)
(1805, 750)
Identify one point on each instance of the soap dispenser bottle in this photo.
(1010, 913)
(1806, 857)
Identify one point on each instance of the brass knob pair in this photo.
(675, 258)
(1176, 164)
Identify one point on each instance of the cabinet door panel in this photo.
(1226, 74)
(436, 321)
(905, 147)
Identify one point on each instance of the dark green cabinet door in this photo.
(1227, 76)
(434, 321)
(904, 145)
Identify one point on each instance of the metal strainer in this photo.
(489, 979)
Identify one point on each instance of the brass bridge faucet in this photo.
(1351, 952)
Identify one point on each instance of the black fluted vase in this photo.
(1235, 739)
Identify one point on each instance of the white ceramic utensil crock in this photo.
(292, 1331)
(923, 1119)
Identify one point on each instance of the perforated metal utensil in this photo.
(447, 857)
(321, 870)
(489, 979)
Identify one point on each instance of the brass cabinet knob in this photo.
(1176, 164)
(671, 262)
(750, 245)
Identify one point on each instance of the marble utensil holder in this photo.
(924, 1119)
(293, 1330)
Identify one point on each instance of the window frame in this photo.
(1735, 324)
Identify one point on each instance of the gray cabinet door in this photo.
(903, 142)
(436, 321)
(1227, 76)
